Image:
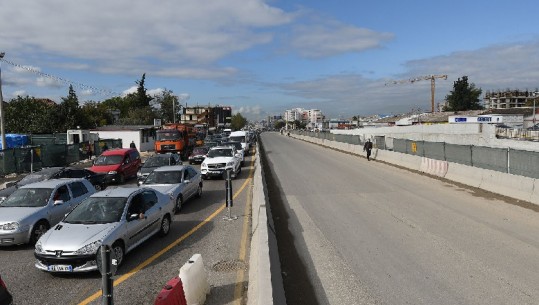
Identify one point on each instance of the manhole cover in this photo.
(229, 266)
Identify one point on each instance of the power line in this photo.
(62, 80)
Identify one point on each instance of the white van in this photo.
(240, 136)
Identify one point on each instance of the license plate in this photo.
(60, 268)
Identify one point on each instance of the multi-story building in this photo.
(312, 118)
(508, 99)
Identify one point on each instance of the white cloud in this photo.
(123, 35)
(19, 93)
(329, 38)
(48, 82)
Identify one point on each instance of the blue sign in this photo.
(460, 119)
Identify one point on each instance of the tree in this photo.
(30, 115)
(68, 116)
(238, 121)
(94, 114)
(279, 124)
(141, 98)
(168, 106)
(464, 96)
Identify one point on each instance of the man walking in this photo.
(368, 147)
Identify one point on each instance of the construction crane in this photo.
(432, 79)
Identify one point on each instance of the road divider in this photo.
(195, 280)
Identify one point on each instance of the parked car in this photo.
(119, 164)
(5, 297)
(180, 182)
(198, 155)
(33, 208)
(97, 179)
(121, 218)
(219, 160)
(156, 161)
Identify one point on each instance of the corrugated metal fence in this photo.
(517, 162)
(47, 152)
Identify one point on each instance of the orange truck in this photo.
(175, 138)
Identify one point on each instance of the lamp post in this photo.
(2, 131)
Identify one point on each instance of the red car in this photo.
(119, 164)
(5, 296)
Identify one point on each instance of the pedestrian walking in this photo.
(132, 145)
(368, 147)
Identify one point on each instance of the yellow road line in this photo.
(243, 251)
(133, 271)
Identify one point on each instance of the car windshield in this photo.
(237, 145)
(164, 177)
(237, 139)
(28, 197)
(168, 135)
(98, 210)
(199, 151)
(108, 160)
(220, 152)
(157, 161)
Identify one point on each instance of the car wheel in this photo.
(199, 191)
(179, 203)
(39, 229)
(122, 179)
(118, 250)
(165, 226)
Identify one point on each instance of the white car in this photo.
(219, 160)
(180, 182)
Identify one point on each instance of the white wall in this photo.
(127, 136)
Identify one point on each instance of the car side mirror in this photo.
(132, 217)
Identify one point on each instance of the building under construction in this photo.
(214, 117)
(509, 99)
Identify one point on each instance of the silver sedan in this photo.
(121, 218)
(180, 182)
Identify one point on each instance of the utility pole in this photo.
(432, 79)
(2, 131)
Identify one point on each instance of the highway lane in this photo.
(218, 241)
(352, 231)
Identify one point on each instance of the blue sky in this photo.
(263, 57)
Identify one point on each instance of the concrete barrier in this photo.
(433, 167)
(195, 280)
(535, 194)
(514, 186)
(464, 174)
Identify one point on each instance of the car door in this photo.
(136, 226)
(153, 211)
(79, 192)
(57, 211)
(187, 184)
(193, 184)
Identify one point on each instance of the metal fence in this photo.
(46, 152)
(517, 162)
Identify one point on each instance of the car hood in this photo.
(218, 160)
(163, 188)
(71, 236)
(105, 168)
(10, 214)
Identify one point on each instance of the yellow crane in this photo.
(432, 79)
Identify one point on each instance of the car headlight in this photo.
(230, 164)
(113, 172)
(139, 174)
(89, 248)
(39, 248)
(11, 226)
(204, 165)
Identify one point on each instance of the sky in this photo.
(264, 57)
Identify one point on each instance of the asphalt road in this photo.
(198, 228)
(352, 231)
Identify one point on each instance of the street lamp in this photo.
(2, 131)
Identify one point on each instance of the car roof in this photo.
(52, 183)
(117, 192)
(221, 147)
(169, 168)
(117, 151)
